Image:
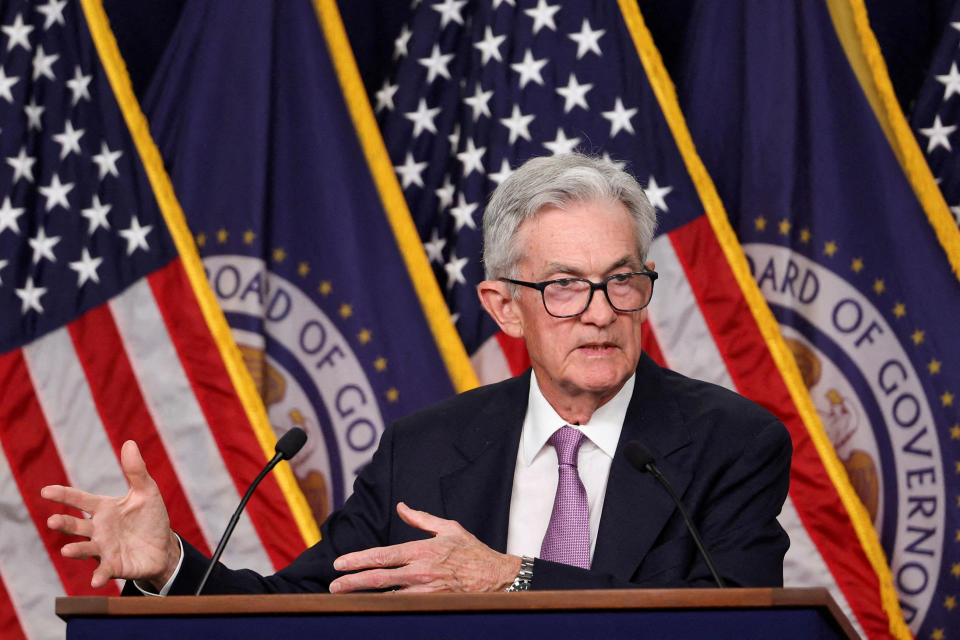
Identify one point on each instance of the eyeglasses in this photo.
(569, 297)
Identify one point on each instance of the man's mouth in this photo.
(598, 346)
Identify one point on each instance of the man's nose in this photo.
(599, 311)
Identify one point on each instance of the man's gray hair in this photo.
(557, 181)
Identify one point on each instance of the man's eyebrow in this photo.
(559, 267)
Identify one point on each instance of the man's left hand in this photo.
(453, 560)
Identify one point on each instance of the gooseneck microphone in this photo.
(287, 447)
(642, 459)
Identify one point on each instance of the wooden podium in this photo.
(783, 614)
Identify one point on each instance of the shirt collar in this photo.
(603, 429)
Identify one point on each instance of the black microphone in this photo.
(287, 447)
(641, 458)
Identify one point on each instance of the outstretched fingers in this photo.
(71, 497)
(70, 525)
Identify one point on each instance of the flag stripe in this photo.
(38, 464)
(240, 450)
(181, 424)
(814, 494)
(27, 579)
(65, 399)
(125, 416)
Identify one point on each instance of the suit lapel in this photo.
(636, 508)
(477, 492)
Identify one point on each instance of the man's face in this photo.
(595, 352)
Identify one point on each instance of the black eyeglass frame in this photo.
(541, 286)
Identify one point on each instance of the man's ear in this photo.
(496, 299)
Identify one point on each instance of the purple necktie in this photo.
(568, 536)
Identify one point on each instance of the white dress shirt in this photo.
(535, 477)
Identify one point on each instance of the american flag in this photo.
(103, 334)
(480, 87)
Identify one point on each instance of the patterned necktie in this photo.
(568, 536)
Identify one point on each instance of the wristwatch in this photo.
(524, 576)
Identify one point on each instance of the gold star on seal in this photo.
(345, 311)
(955, 569)
(303, 269)
(857, 265)
(946, 399)
(917, 336)
(784, 227)
(955, 432)
(392, 394)
(201, 239)
(249, 236)
(830, 248)
(325, 288)
(760, 223)
(805, 236)
(222, 235)
(380, 364)
(364, 336)
(279, 254)
(879, 286)
(934, 366)
(899, 310)
(950, 602)
(937, 634)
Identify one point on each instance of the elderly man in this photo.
(522, 484)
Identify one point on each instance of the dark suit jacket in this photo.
(726, 457)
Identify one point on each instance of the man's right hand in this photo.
(130, 536)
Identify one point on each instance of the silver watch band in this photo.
(524, 576)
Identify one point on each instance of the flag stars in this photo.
(950, 82)
(18, 33)
(434, 247)
(449, 11)
(436, 64)
(364, 336)
(619, 118)
(410, 171)
(86, 268)
(934, 366)
(422, 118)
(400, 44)
(106, 161)
(279, 254)
(303, 269)
(463, 213)
(529, 69)
(489, 47)
(760, 223)
(830, 248)
(56, 193)
(9, 215)
(784, 227)
(471, 158)
(879, 286)
(574, 94)
(43, 246)
(30, 297)
(136, 236)
(479, 102)
(657, 194)
(96, 215)
(6, 82)
(22, 166)
(561, 144)
(856, 265)
(587, 39)
(917, 336)
(445, 192)
(79, 86)
(53, 13)
(946, 399)
(380, 364)
(454, 268)
(518, 124)
(938, 135)
(503, 173)
(385, 96)
(69, 140)
(33, 112)
(899, 310)
(345, 310)
(3, 263)
(43, 64)
(325, 288)
(805, 236)
(542, 16)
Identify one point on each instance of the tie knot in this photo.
(567, 440)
